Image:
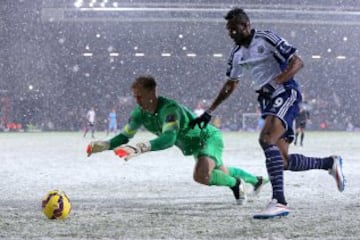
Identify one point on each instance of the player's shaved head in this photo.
(238, 15)
(145, 82)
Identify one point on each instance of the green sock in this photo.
(239, 173)
(219, 178)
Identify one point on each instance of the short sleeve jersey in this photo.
(112, 117)
(265, 58)
(91, 116)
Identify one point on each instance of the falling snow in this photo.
(73, 56)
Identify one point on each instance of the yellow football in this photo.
(56, 205)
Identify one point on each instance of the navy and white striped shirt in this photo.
(265, 58)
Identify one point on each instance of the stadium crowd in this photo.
(48, 83)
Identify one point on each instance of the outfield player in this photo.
(90, 117)
(169, 120)
(112, 118)
(272, 63)
(300, 124)
(199, 109)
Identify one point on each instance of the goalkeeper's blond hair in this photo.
(145, 82)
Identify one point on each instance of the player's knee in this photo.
(201, 178)
(264, 142)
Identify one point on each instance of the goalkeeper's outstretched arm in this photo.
(164, 141)
(100, 146)
(128, 132)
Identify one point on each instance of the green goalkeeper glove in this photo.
(128, 151)
(97, 146)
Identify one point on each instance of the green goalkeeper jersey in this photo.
(170, 123)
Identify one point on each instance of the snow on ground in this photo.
(154, 197)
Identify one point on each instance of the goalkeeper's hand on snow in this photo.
(97, 146)
(127, 151)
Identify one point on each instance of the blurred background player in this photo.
(300, 124)
(169, 120)
(112, 118)
(90, 117)
(199, 109)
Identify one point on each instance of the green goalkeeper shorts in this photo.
(213, 147)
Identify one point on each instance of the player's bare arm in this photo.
(224, 93)
(295, 64)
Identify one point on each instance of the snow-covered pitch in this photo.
(153, 196)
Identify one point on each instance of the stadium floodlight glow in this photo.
(341, 57)
(166, 54)
(139, 54)
(92, 3)
(191, 55)
(114, 54)
(217, 55)
(315, 56)
(78, 3)
(103, 4)
(88, 54)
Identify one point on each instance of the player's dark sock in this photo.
(275, 167)
(301, 138)
(299, 162)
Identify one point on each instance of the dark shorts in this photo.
(300, 124)
(285, 106)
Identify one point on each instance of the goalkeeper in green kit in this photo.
(169, 120)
